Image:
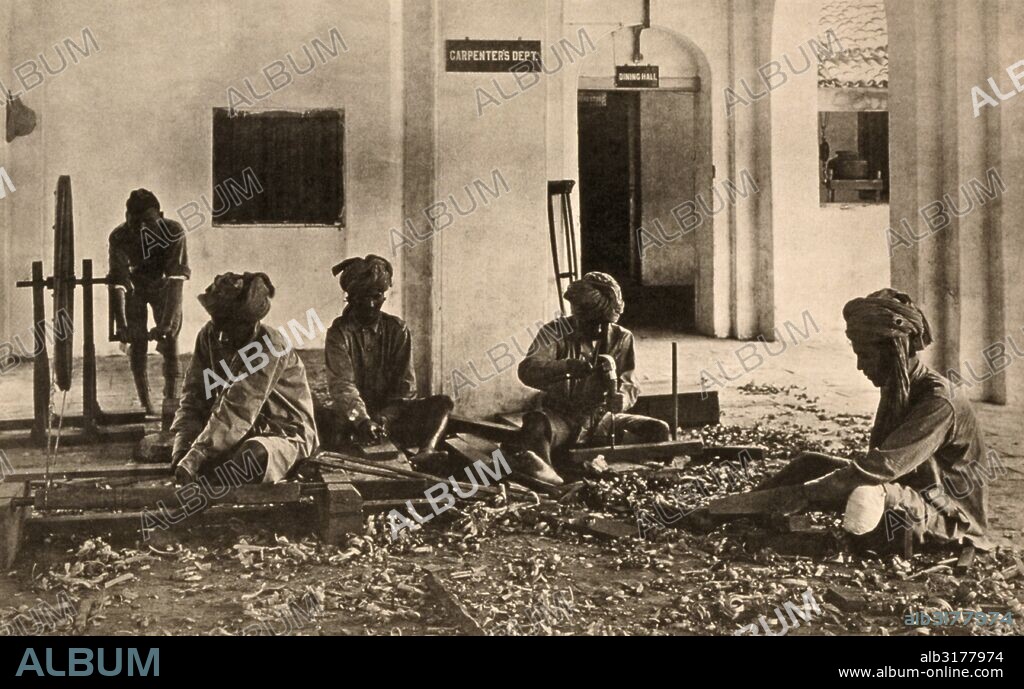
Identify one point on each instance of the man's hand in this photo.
(617, 403)
(578, 368)
(834, 486)
(369, 432)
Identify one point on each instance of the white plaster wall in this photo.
(138, 113)
(495, 264)
(824, 254)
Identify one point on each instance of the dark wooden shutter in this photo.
(297, 158)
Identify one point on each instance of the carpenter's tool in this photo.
(610, 378)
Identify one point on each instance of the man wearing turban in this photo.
(245, 400)
(148, 266)
(369, 368)
(563, 362)
(926, 468)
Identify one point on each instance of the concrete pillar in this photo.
(941, 151)
(751, 241)
(419, 79)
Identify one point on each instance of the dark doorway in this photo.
(611, 203)
(609, 166)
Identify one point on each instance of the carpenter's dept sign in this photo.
(636, 76)
(492, 56)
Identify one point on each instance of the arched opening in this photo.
(644, 173)
(829, 158)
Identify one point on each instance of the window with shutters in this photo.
(278, 167)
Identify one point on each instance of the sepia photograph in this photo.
(503, 318)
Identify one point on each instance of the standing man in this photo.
(926, 467)
(584, 365)
(369, 367)
(245, 397)
(148, 266)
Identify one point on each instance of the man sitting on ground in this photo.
(926, 465)
(245, 397)
(574, 371)
(369, 368)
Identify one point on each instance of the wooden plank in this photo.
(797, 523)
(108, 471)
(498, 432)
(476, 449)
(700, 408)
(514, 419)
(384, 450)
(463, 619)
(846, 599)
(784, 500)
(638, 451)
(12, 521)
(377, 487)
(294, 515)
(966, 559)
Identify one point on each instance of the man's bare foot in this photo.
(530, 464)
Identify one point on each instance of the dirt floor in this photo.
(510, 567)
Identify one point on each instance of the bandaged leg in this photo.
(888, 510)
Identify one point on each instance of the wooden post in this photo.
(41, 362)
(675, 390)
(340, 509)
(89, 403)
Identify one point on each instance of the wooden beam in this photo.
(639, 451)
(91, 496)
(130, 522)
(339, 509)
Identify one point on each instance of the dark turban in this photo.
(141, 199)
(244, 297)
(596, 296)
(884, 315)
(361, 275)
(889, 316)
